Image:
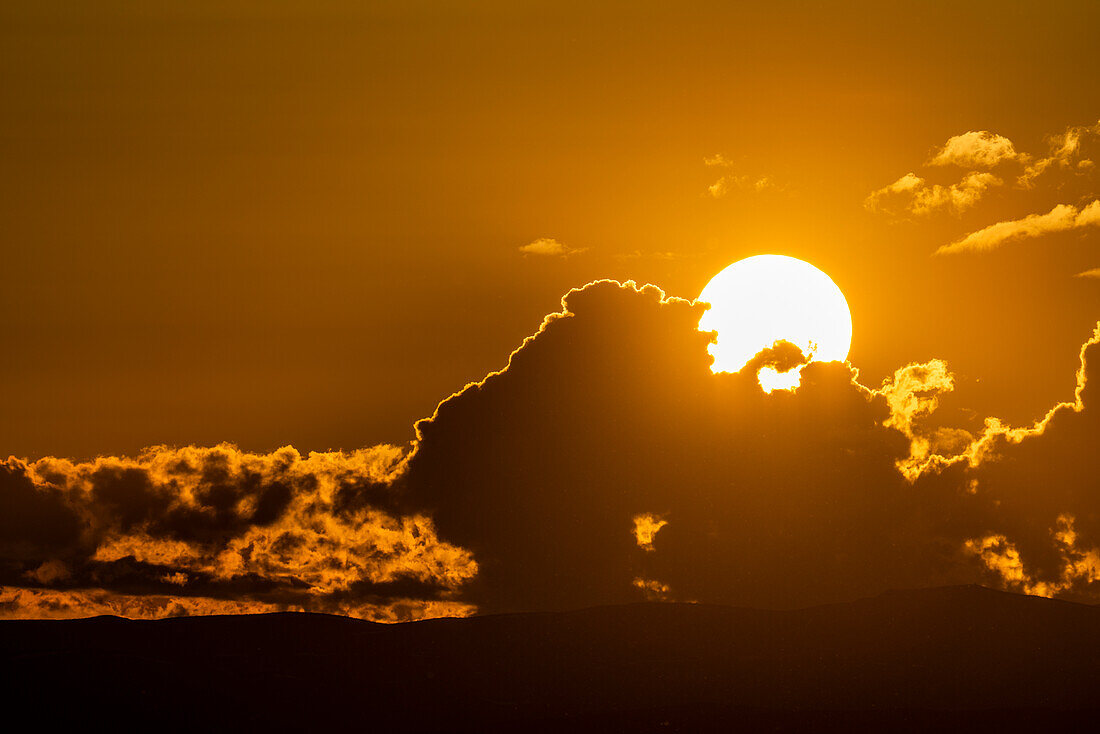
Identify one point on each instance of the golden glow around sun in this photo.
(760, 300)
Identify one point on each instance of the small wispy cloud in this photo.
(730, 181)
(1062, 218)
(655, 255)
(1094, 273)
(550, 247)
(1065, 153)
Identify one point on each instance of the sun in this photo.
(763, 299)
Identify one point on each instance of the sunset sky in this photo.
(307, 223)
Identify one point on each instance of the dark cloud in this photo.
(611, 412)
(1038, 493)
(34, 520)
(605, 463)
(207, 527)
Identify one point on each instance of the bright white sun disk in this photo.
(763, 299)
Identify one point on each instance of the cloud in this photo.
(978, 152)
(913, 394)
(829, 492)
(203, 526)
(550, 247)
(975, 149)
(604, 463)
(731, 181)
(646, 527)
(1079, 567)
(1035, 510)
(1094, 273)
(1061, 218)
(1065, 153)
(611, 410)
(913, 194)
(654, 255)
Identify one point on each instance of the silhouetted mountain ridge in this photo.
(930, 657)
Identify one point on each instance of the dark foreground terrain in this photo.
(962, 658)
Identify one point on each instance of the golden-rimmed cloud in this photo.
(975, 149)
(549, 247)
(1065, 153)
(913, 194)
(210, 527)
(1062, 218)
(604, 462)
(988, 160)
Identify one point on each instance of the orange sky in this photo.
(226, 222)
(265, 239)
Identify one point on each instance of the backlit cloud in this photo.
(829, 492)
(1065, 153)
(204, 527)
(975, 149)
(1061, 218)
(979, 152)
(604, 463)
(549, 246)
(913, 194)
(730, 180)
(646, 527)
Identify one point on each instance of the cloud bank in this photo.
(214, 529)
(605, 463)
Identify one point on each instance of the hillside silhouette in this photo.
(954, 657)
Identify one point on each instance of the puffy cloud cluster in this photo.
(914, 194)
(210, 529)
(978, 153)
(605, 463)
(975, 149)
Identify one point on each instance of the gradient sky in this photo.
(242, 232)
(299, 223)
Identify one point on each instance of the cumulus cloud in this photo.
(604, 463)
(1061, 218)
(549, 246)
(611, 410)
(975, 149)
(829, 492)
